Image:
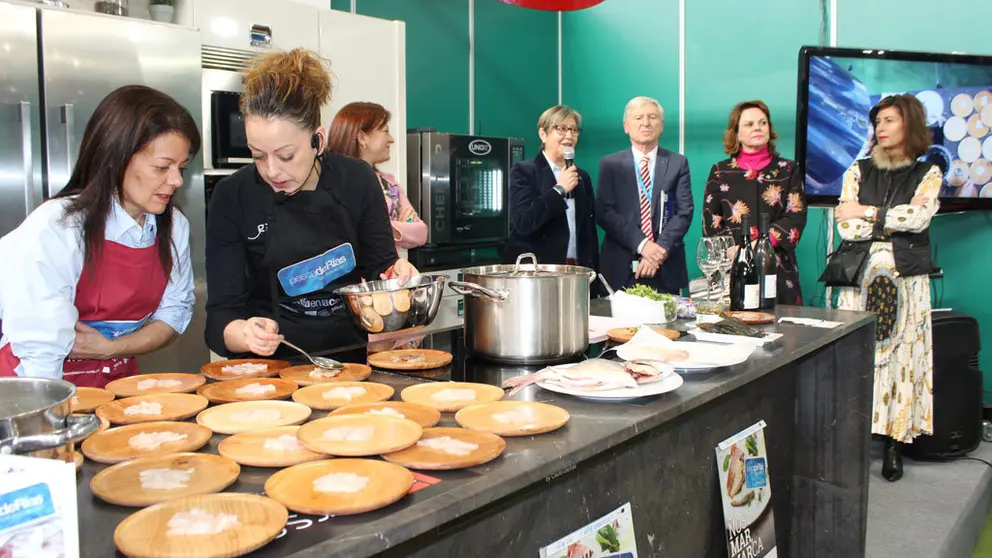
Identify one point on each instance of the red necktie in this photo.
(645, 202)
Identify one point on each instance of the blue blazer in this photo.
(618, 212)
(537, 216)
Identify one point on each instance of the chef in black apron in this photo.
(285, 232)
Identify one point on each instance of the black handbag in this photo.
(845, 264)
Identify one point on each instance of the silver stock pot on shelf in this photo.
(35, 417)
(526, 313)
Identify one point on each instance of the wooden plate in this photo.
(512, 418)
(248, 416)
(175, 406)
(227, 392)
(114, 445)
(426, 394)
(410, 359)
(301, 374)
(417, 456)
(132, 385)
(293, 487)
(316, 397)
(248, 448)
(625, 334)
(753, 318)
(87, 399)
(386, 434)
(421, 414)
(215, 370)
(146, 532)
(121, 484)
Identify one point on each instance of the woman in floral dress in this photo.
(889, 200)
(755, 180)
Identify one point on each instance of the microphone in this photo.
(569, 153)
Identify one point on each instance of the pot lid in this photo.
(533, 269)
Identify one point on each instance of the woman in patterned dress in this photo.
(889, 200)
(755, 180)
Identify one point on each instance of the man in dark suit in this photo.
(644, 203)
(552, 205)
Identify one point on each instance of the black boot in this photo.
(892, 460)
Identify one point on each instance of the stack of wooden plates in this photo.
(421, 414)
(359, 435)
(443, 449)
(238, 369)
(276, 447)
(210, 526)
(309, 374)
(150, 408)
(87, 399)
(143, 440)
(449, 397)
(327, 396)
(154, 384)
(248, 416)
(150, 480)
(248, 389)
(410, 359)
(513, 418)
(339, 486)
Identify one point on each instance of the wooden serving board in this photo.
(121, 484)
(752, 318)
(302, 374)
(175, 406)
(410, 359)
(131, 386)
(316, 396)
(294, 487)
(215, 370)
(87, 399)
(247, 416)
(417, 456)
(114, 445)
(512, 418)
(433, 394)
(248, 448)
(227, 392)
(625, 334)
(386, 434)
(421, 414)
(146, 532)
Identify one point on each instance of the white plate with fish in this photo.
(669, 383)
(650, 346)
(603, 379)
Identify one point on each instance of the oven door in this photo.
(479, 186)
(228, 140)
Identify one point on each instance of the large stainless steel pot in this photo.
(526, 313)
(35, 417)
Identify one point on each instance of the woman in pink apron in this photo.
(101, 273)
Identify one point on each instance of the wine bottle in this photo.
(766, 266)
(744, 289)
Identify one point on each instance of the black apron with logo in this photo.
(303, 226)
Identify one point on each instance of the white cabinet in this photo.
(368, 63)
(235, 23)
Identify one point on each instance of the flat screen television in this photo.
(837, 88)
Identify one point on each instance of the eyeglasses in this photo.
(564, 130)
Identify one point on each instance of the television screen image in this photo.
(838, 87)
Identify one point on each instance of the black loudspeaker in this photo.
(957, 390)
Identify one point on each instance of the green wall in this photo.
(516, 67)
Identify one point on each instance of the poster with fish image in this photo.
(610, 536)
(745, 489)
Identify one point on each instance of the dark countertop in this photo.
(594, 427)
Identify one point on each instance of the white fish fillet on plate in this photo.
(595, 374)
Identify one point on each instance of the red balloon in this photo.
(554, 5)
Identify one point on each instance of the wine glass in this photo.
(708, 257)
(726, 242)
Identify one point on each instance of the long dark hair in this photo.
(351, 120)
(124, 123)
(917, 137)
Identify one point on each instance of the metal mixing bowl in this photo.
(387, 306)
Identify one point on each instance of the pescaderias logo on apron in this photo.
(314, 274)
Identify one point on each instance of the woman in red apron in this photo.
(101, 273)
(285, 232)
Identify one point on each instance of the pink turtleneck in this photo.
(754, 161)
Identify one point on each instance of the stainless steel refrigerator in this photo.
(56, 65)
